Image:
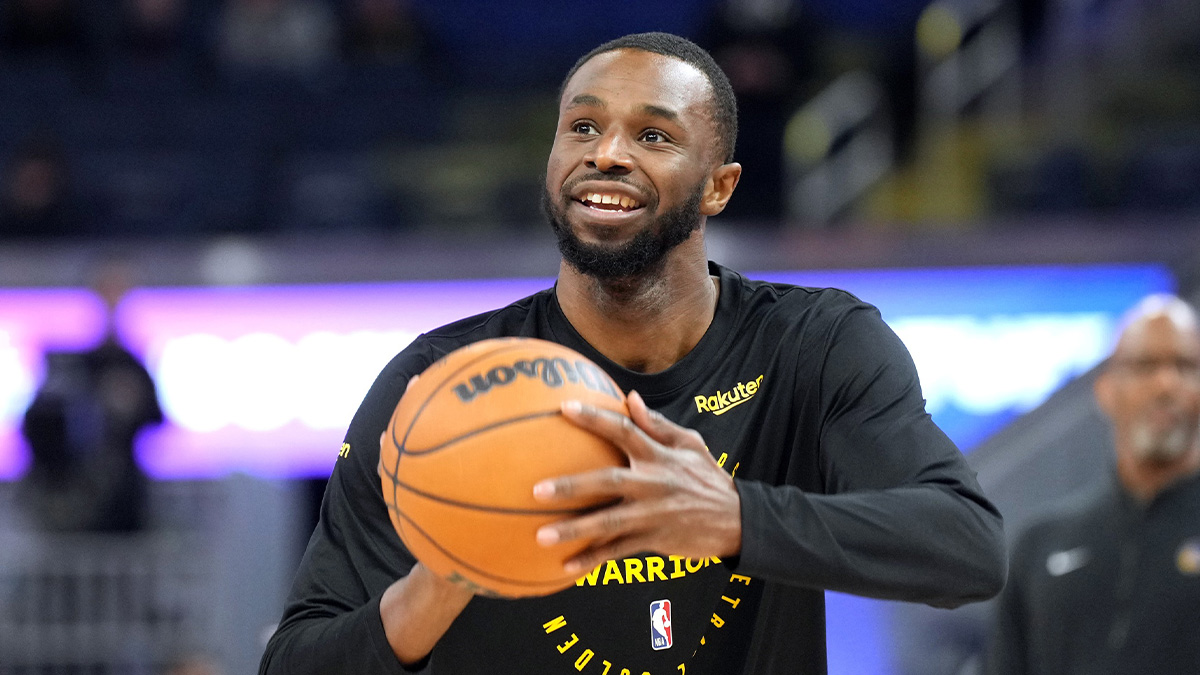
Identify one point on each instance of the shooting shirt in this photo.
(804, 395)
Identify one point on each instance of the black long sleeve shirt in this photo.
(804, 395)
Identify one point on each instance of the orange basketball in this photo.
(465, 447)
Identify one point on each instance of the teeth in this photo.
(623, 201)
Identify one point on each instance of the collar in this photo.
(658, 387)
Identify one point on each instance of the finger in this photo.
(658, 427)
(606, 525)
(588, 560)
(612, 426)
(597, 486)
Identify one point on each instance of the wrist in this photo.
(416, 611)
(439, 588)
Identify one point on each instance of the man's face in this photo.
(1151, 390)
(631, 162)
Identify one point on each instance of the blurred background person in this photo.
(1111, 582)
(82, 426)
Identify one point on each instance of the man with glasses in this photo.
(1111, 584)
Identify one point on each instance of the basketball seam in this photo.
(476, 570)
(408, 522)
(445, 382)
(494, 509)
(397, 483)
(400, 451)
(400, 445)
(480, 430)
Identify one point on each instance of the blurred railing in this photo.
(969, 54)
(101, 603)
(836, 147)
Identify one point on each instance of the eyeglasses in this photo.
(1185, 367)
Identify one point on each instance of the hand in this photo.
(674, 498)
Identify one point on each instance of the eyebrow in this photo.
(648, 109)
(659, 111)
(586, 99)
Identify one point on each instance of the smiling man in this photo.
(732, 518)
(1111, 583)
(605, 198)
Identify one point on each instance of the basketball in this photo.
(467, 443)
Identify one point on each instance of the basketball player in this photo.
(1111, 583)
(778, 446)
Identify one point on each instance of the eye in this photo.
(585, 128)
(1187, 367)
(653, 136)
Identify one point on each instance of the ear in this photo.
(720, 186)
(1105, 391)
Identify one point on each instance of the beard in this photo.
(637, 258)
(1161, 447)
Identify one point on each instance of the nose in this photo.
(1169, 376)
(1175, 378)
(610, 154)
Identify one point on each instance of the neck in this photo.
(645, 323)
(1145, 480)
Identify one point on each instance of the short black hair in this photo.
(724, 102)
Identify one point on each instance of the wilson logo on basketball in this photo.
(723, 401)
(553, 373)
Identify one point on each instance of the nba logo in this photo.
(660, 625)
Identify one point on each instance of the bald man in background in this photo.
(1111, 583)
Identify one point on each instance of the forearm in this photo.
(312, 643)
(390, 635)
(923, 543)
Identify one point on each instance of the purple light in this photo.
(281, 350)
(264, 380)
(31, 323)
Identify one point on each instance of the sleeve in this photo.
(902, 516)
(331, 623)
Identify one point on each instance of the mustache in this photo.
(597, 176)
